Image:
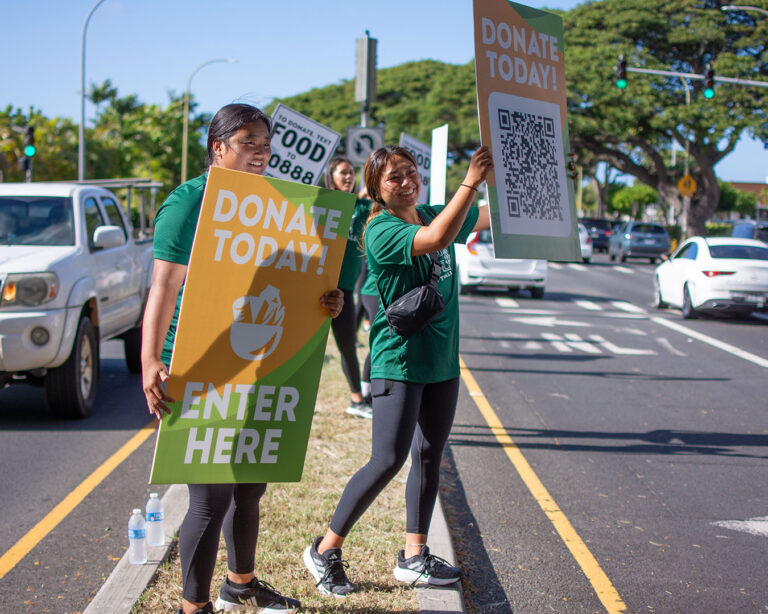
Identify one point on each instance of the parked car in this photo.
(751, 229)
(586, 243)
(71, 274)
(639, 240)
(714, 274)
(477, 266)
(600, 230)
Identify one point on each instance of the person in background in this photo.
(414, 380)
(238, 139)
(340, 175)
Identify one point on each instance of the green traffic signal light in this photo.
(709, 93)
(29, 151)
(621, 73)
(709, 83)
(621, 83)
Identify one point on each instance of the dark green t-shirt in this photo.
(431, 355)
(175, 225)
(352, 263)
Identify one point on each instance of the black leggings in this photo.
(345, 333)
(233, 507)
(405, 415)
(371, 306)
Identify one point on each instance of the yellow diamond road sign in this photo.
(687, 186)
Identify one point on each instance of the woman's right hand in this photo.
(154, 377)
(479, 165)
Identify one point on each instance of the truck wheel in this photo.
(132, 349)
(71, 388)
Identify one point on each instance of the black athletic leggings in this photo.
(233, 507)
(405, 415)
(371, 306)
(344, 329)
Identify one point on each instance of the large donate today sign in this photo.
(252, 333)
(520, 74)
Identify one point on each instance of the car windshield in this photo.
(597, 224)
(651, 229)
(740, 252)
(36, 220)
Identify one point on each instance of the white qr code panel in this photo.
(529, 164)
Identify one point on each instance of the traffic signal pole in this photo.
(690, 75)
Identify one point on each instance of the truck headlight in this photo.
(29, 289)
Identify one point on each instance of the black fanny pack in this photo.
(415, 310)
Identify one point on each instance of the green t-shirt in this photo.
(175, 225)
(431, 355)
(352, 263)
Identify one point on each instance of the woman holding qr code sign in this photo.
(414, 378)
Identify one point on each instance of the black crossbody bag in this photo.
(414, 311)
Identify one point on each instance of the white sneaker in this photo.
(361, 409)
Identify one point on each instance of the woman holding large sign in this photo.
(414, 379)
(238, 139)
(340, 175)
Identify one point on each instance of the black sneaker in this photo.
(328, 570)
(206, 609)
(425, 568)
(259, 595)
(361, 409)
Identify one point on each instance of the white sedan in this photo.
(586, 243)
(714, 274)
(477, 266)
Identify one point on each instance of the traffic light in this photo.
(709, 82)
(29, 142)
(621, 73)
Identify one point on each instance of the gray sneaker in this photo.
(425, 568)
(259, 595)
(361, 409)
(328, 570)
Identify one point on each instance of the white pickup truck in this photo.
(71, 274)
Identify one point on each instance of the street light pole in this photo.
(185, 128)
(81, 131)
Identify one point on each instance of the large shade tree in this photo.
(634, 129)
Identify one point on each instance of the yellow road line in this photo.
(605, 591)
(22, 547)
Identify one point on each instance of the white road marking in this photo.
(615, 349)
(548, 321)
(753, 526)
(588, 305)
(585, 346)
(629, 307)
(505, 344)
(634, 331)
(622, 269)
(664, 342)
(576, 266)
(727, 347)
(557, 343)
(532, 345)
(555, 265)
(507, 303)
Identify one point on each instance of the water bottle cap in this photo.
(153, 495)
(137, 511)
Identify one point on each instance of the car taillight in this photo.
(717, 273)
(589, 240)
(471, 245)
(608, 233)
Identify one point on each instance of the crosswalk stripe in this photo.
(588, 305)
(622, 269)
(625, 306)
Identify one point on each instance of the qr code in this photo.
(529, 166)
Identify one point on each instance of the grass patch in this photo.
(293, 514)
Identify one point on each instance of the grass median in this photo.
(293, 514)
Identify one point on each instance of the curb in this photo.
(127, 582)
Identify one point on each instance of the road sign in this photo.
(422, 153)
(362, 141)
(687, 186)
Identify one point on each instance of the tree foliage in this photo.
(632, 200)
(633, 129)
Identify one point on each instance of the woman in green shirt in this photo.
(414, 380)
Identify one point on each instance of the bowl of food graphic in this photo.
(258, 324)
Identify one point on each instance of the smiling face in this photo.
(247, 150)
(344, 177)
(400, 183)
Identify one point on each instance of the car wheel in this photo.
(652, 260)
(611, 255)
(585, 260)
(537, 292)
(132, 349)
(71, 388)
(688, 310)
(658, 302)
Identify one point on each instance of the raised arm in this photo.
(445, 227)
(167, 279)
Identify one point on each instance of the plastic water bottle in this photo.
(137, 538)
(155, 535)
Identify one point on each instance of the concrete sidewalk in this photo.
(127, 582)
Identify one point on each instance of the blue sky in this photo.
(150, 47)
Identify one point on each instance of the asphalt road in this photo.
(643, 434)
(41, 461)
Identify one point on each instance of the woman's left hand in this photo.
(333, 301)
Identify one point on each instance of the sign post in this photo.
(252, 333)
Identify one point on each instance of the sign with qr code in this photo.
(520, 71)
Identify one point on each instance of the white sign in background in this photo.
(423, 155)
(362, 141)
(301, 147)
(439, 170)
